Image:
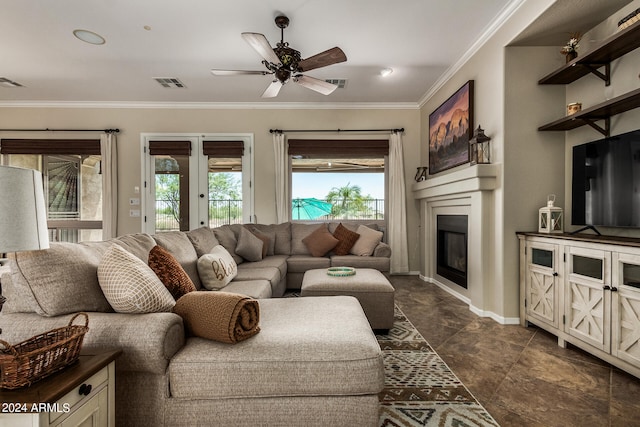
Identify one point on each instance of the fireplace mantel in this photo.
(467, 191)
(473, 178)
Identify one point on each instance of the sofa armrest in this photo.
(148, 341)
(382, 250)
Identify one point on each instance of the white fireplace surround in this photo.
(468, 191)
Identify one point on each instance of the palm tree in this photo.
(347, 200)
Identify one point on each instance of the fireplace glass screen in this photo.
(452, 248)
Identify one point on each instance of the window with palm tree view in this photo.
(328, 189)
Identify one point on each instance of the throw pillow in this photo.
(266, 242)
(170, 272)
(249, 246)
(320, 241)
(367, 242)
(217, 268)
(130, 285)
(346, 239)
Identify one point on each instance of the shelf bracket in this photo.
(606, 76)
(604, 131)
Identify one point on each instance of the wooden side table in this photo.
(81, 394)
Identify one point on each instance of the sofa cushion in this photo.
(328, 350)
(272, 274)
(203, 240)
(302, 263)
(367, 242)
(227, 235)
(376, 262)
(298, 233)
(179, 245)
(282, 233)
(130, 285)
(170, 272)
(346, 239)
(217, 268)
(61, 279)
(249, 246)
(258, 289)
(277, 261)
(320, 242)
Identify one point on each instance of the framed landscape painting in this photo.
(450, 128)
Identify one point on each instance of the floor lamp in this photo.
(23, 217)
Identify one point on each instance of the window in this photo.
(72, 180)
(338, 179)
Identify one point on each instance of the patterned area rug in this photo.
(420, 389)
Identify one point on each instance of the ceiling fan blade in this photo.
(273, 89)
(261, 45)
(238, 72)
(328, 57)
(318, 85)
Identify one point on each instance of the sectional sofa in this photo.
(315, 360)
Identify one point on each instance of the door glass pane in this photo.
(171, 178)
(542, 257)
(225, 191)
(631, 275)
(589, 267)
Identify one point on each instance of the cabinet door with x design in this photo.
(587, 296)
(542, 283)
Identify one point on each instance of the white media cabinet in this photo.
(585, 290)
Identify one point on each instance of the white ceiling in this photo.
(419, 39)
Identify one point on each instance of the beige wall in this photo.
(134, 121)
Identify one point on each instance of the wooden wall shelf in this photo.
(619, 44)
(602, 111)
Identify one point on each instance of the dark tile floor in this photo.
(519, 375)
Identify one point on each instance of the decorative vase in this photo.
(570, 56)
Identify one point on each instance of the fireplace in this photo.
(451, 248)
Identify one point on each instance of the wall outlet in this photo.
(134, 201)
(134, 213)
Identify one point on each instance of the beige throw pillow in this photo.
(367, 241)
(249, 246)
(130, 285)
(217, 268)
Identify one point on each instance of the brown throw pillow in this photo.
(320, 241)
(170, 272)
(265, 242)
(347, 239)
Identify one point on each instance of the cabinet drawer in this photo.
(70, 401)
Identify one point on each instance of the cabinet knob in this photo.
(606, 287)
(202, 196)
(614, 289)
(85, 389)
(555, 274)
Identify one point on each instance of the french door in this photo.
(195, 180)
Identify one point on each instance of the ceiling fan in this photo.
(285, 63)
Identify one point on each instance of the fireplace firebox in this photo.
(451, 247)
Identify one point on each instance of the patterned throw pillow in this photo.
(217, 268)
(130, 285)
(170, 272)
(346, 239)
(320, 241)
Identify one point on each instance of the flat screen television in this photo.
(606, 182)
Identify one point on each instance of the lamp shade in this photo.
(23, 217)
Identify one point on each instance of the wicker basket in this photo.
(42, 355)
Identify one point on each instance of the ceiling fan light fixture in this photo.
(89, 37)
(386, 72)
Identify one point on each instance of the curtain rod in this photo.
(61, 130)
(335, 130)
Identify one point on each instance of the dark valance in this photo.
(50, 146)
(170, 148)
(339, 148)
(224, 149)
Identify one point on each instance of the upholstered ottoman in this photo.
(369, 286)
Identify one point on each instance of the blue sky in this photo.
(319, 184)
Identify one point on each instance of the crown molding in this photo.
(489, 32)
(214, 105)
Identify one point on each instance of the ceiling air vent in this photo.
(170, 82)
(341, 83)
(9, 83)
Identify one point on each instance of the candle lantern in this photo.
(550, 218)
(479, 149)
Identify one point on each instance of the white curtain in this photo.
(397, 221)
(283, 208)
(109, 154)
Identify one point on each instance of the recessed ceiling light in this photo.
(386, 71)
(89, 36)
